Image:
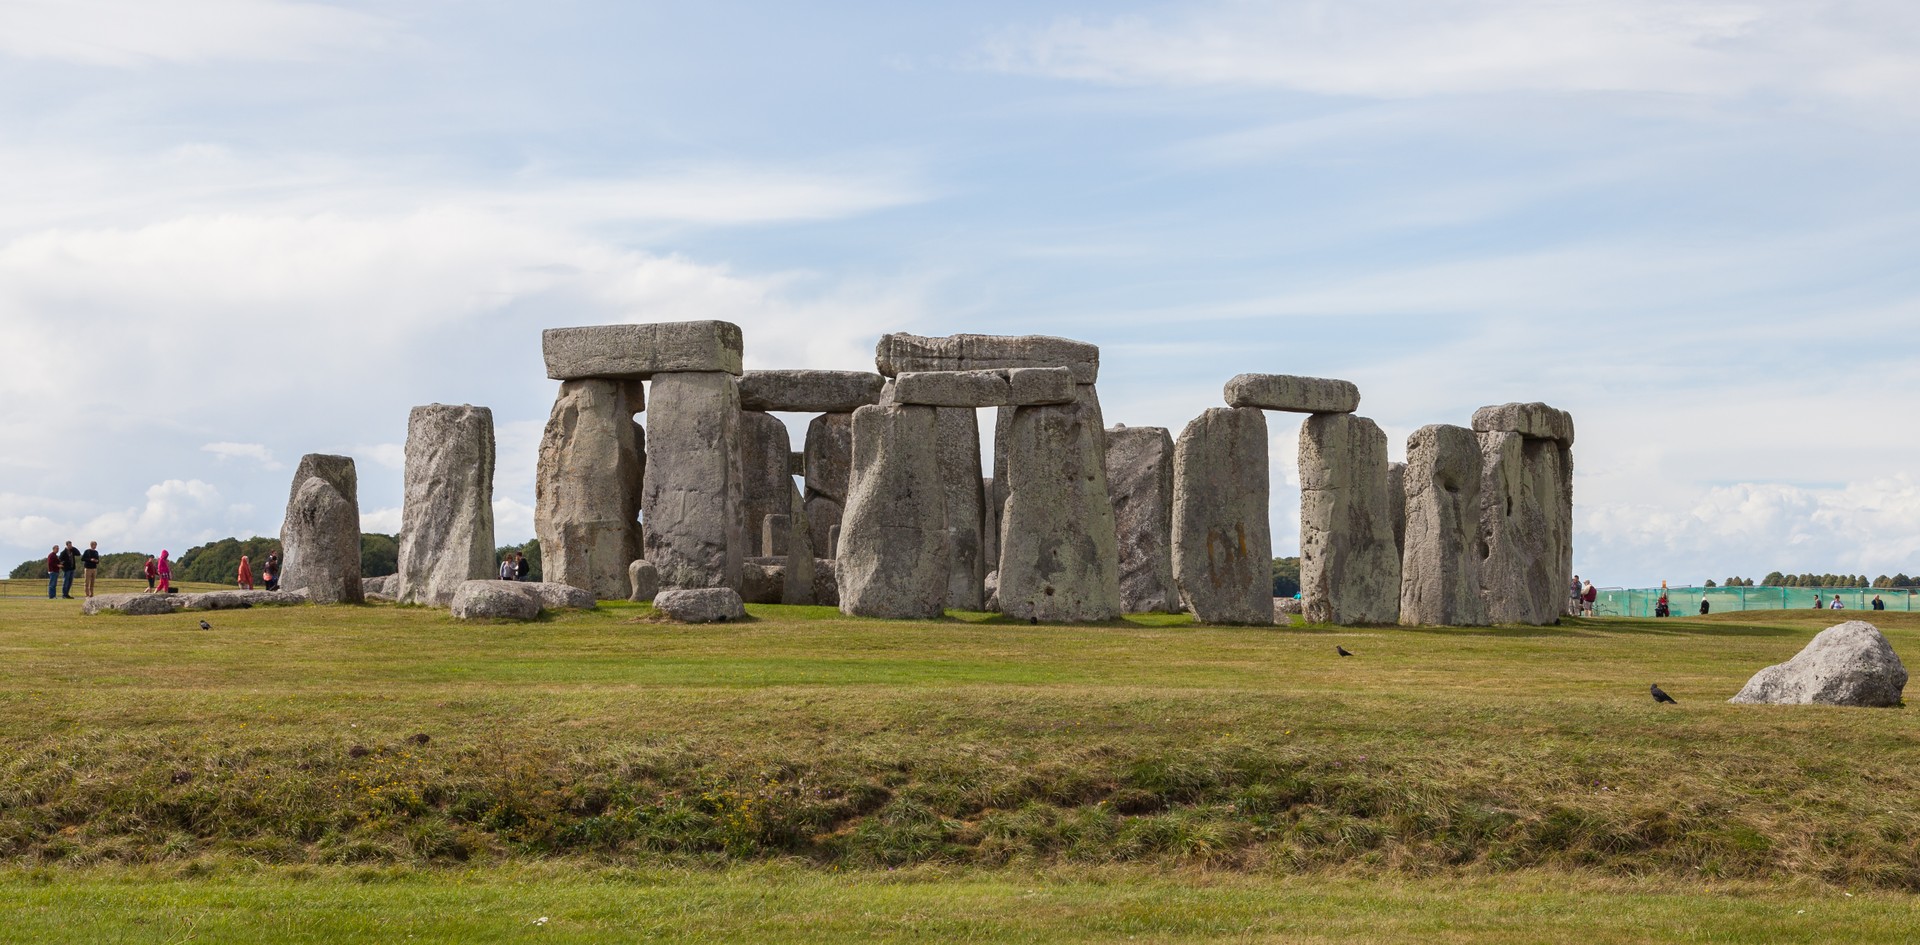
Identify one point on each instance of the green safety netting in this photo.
(1640, 601)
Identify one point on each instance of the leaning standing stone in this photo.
(446, 520)
(586, 505)
(894, 549)
(696, 526)
(1349, 573)
(1140, 479)
(1222, 543)
(320, 535)
(1440, 571)
(1059, 557)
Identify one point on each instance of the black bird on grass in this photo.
(1337, 648)
(205, 625)
(1660, 695)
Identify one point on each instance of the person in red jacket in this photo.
(53, 573)
(152, 572)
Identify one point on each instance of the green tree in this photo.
(1774, 579)
(379, 555)
(1286, 577)
(1711, 584)
(219, 562)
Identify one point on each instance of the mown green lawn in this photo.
(364, 773)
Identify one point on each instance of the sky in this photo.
(236, 231)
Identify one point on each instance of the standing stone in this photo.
(1526, 522)
(1397, 502)
(1222, 542)
(989, 530)
(829, 459)
(1349, 573)
(958, 432)
(644, 580)
(799, 550)
(696, 526)
(320, 536)
(1140, 478)
(1059, 557)
(587, 491)
(765, 483)
(894, 552)
(446, 518)
(1440, 570)
(997, 490)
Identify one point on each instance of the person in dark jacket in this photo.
(53, 573)
(90, 565)
(520, 567)
(69, 562)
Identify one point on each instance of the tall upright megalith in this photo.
(765, 479)
(446, 514)
(1526, 513)
(958, 442)
(696, 534)
(1440, 569)
(1222, 542)
(1140, 480)
(1059, 552)
(587, 486)
(320, 534)
(829, 465)
(893, 556)
(1349, 569)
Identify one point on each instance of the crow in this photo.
(205, 625)
(1337, 648)
(1660, 695)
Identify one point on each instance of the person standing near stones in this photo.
(1836, 605)
(1704, 607)
(53, 573)
(270, 571)
(69, 562)
(90, 565)
(152, 572)
(507, 571)
(245, 576)
(165, 570)
(520, 566)
(1588, 597)
(1575, 597)
(1879, 604)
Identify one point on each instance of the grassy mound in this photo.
(384, 734)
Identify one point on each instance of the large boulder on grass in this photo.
(701, 605)
(1846, 664)
(139, 605)
(503, 600)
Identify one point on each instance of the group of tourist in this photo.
(514, 567)
(1581, 597)
(1821, 604)
(62, 562)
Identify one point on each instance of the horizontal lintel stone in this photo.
(1019, 387)
(638, 352)
(1536, 421)
(899, 353)
(1293, 393)
(809, 391)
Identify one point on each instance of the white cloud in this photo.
(135, 33)
(1861, 50)
(254, 451)
(176, 514)
(512, 521)
(380, 521)
(389, 455)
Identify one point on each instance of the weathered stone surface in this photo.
(236, 600)
(829, 458)
(899, 353)
(799, 551)
(809, 391)
(773, 535)
(1349, 572)
(958, 437)
(1536, 421)
(1284, 608)
(992, 587)
(1222, 542)
(1846, 664)
(1059, 557)
(637, 352)
(797, 463)
(696, 527)
(1397, 505)
(552, 596)
(701, 605)
(386, 585)
(989, 526)
(643, 579)
(446, 518)
(1440, 569)
(894, 547)
(997, 484)
(501, 600)
(1526, 523)
(763, 580)
(1292, 393)
(587, 489)
(764, 480)
(1019, 387)
(138, 605)
(826, 583)
(320, 536)
(1140, 480)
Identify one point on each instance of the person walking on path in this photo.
(152, 572)
(69, 562)
(246, 574)
(90, 565)
(165, 571)
(53, 573)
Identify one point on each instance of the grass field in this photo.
(805, 775)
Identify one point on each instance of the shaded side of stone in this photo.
(1140, 479)
(1222, 542)
(1059, 555)
(587, 486)
(829, 460)
(696, 531)
(809, 391)
(894, 548)
(1440, 569)
(1349, 570)
(446, 518)
(957, 430)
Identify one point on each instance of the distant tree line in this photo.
(1286, 577)
(1776, 579)
(217, 562)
